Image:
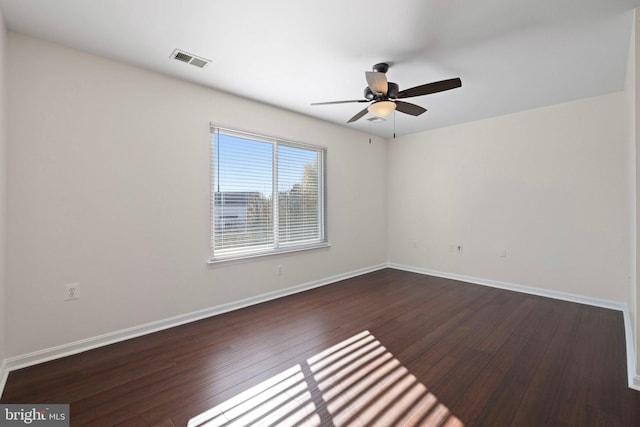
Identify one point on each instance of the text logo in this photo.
(34, 415)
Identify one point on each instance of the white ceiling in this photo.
(511, 55)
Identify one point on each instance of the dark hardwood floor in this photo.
(386, 348)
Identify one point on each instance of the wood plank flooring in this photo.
(386, 348)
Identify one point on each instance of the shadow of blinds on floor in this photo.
(355, 382)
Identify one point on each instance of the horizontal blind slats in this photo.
(243, 201)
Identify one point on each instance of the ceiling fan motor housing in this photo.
(382, 67)
(392, 92)
(368, 94)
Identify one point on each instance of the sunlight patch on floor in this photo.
(354, 383)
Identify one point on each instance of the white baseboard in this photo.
(68, 349)
(40, 356)
(633, 378)
(4, 374)
(632, 374)
(597, 302)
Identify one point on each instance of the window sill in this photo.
(249, 257)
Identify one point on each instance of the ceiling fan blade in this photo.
(340, 102)
(430, 88)
(408, 108)
(358, 116)
(377, 82)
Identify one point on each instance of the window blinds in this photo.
(268, 195)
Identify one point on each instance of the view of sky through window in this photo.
(241, 154)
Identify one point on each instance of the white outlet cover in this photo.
(71, 291)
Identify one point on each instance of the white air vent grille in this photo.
(198, 62)
(189, 58)
(183, 57)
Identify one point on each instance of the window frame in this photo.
(275, 248)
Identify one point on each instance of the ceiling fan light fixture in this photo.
(382, 108)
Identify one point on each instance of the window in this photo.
(268, 195)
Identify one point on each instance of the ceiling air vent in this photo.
(376, 119)
(189, 58)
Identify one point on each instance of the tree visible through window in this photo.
(249, 173)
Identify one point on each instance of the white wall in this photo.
(632, 89)
(633, 158)
(3, 175)
(108, 186)
(551, 186)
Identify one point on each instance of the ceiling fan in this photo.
(384, 96)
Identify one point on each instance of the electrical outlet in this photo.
(279, 270)
(71, 291)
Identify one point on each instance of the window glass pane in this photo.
(298, 195)
(243, 182)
